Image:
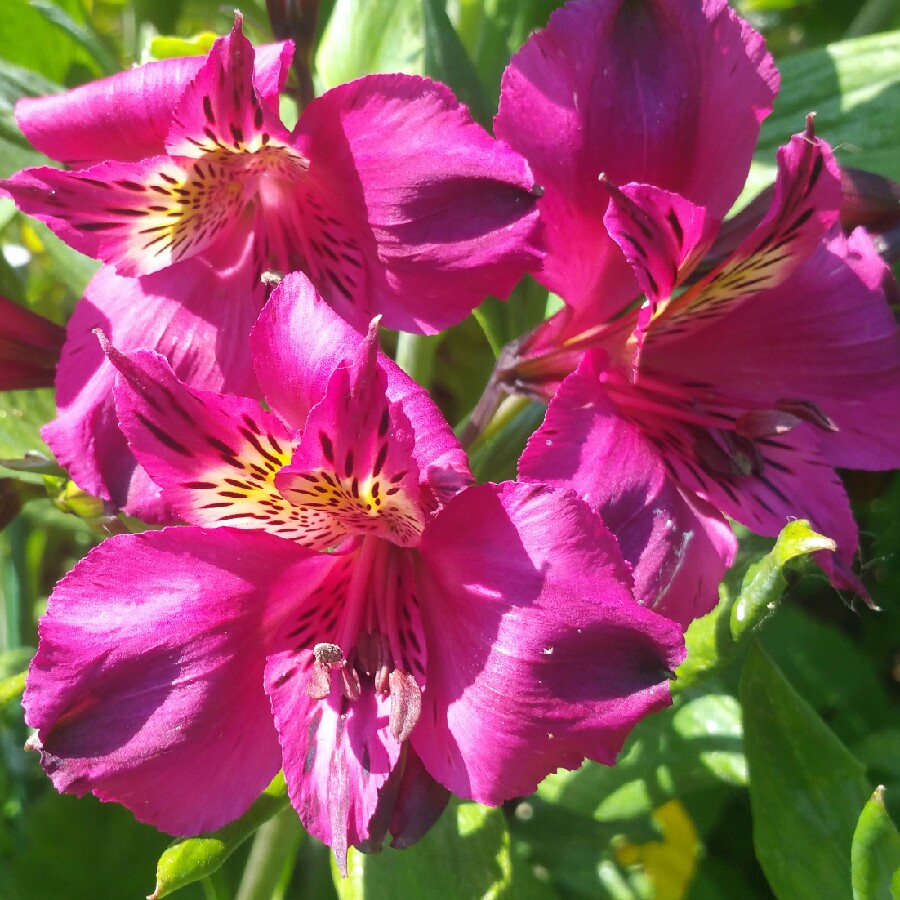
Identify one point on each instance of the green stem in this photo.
(506, 412)
(271, 858)
(874, 16)
(416, 354)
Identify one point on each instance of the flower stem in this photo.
(271, 858)
(416, 354)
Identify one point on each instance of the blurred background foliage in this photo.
(760, 780)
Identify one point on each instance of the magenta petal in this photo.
(140, 217)
(214, 456)
(353, 469)
(661, 235)
(335, 762)
(825, 336)
(603, 89)
(679, 549)
(197, 318)
(127, 116)
(805, 206)
(297, 344)
(538, 655)
(445, 214)
(123, 117)
(220, 110)
(147, 688)
(338, 755)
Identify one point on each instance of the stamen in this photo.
(406, 704)
(809, 412)
(328, 654)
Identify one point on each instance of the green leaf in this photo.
(692, 746)
(81, 35)
(832, 672)
(165, 46)
(190, 859)
(29, 39)
(875, 853)
(15, 150)
(446, 60)
(364, 36)
(22, 413)
(73, 269)
(495, 455)
(492, 30)
(11, 688)
(716, 638)
(504, 321)
(466, 855)
(78, 848)
(854, 89)
(806, 788)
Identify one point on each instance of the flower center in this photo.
(376, 643)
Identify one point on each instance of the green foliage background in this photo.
(759, 782)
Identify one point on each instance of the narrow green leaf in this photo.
(73, 269)
(15, 150)
(806, 788)
(875, 853)
(495, 455)
(29, 39)
(364, 36)
(492, 30)
(504, 321)
(446, 60)
(466, 855)
(854, 88)
(716, 638)
(189, 859)
(82, 35)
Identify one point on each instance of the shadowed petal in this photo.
(442, 213)
(679, 549)
(147, 688)
(196, 317)
(538, 655)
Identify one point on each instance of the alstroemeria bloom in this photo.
(344, 604)
(386, 194)
(747, 385)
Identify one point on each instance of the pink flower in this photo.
(738, 390)
(344, 604)
(386, 194)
